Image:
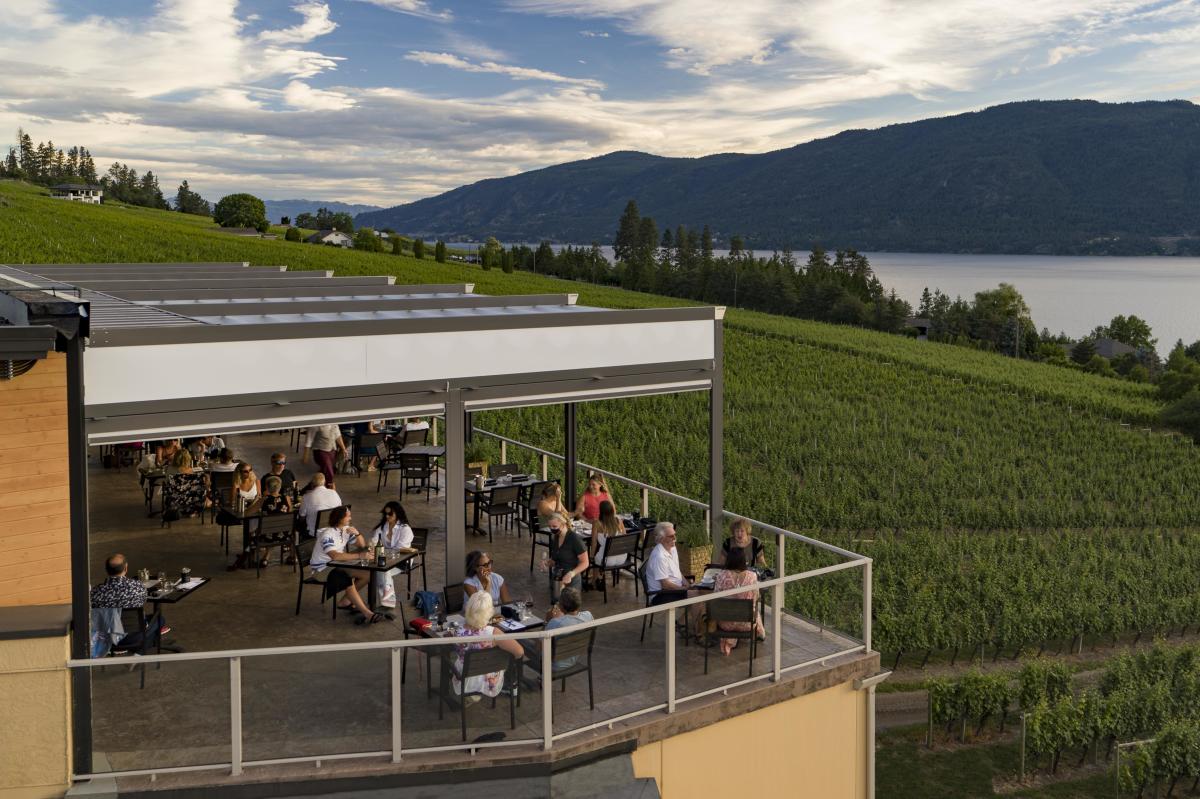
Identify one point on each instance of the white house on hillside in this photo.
(78, 192)
(334, 237)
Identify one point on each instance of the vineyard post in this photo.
(929, 709)
(1023, 717)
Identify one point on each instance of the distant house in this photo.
(77, 192)
(1111, 348)
(382, 234)
(921, 325)
(332, 237)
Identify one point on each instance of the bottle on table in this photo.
(380, 555)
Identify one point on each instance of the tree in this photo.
(1128, 330)
(343, 222)
(506, 262)
(286, 221)
(292, 234)
(1083, 351)
(365, 239)
(491, 253)
(439, 251)
(189, 202)
(1184, 414)
(543, 258)
(626, 241)
(241, 210)
(736, 246)
(397, 246)
(307, 221)
(418, 246)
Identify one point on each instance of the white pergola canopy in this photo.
(185, 349)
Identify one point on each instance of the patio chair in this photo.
(303, 557)
(501, 503)
(274, 530)
(417, 469)
(420, 542)
(389, 461)
(575, 648)
(453, 597)
(137, 640)
(471, 472)
(369, 446)
(219, 486)
(530, 496)
(651, 596)
(617, 546)
(502, 469)
(476, 663)
(323, 517)
(413, 438)
(728, 609)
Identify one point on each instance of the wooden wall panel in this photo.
(35, 486)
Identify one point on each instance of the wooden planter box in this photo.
(693, 559)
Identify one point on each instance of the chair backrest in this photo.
(620, 546)
(304, 551)
(414, 463)
(412, 437)
(473, 471)
(453, 596)
(501, 469)
(323, 517)
(485, 661)
(420, 538)
(729, 609)
(221, 482)
(535, 494)
(370, 441)
(504, 495)
(277, 524)
(574, 645)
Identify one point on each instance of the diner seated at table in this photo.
(588, 507)
(120, 592)
(568, 556)
(334, 543)
(245, 485)
(550, 503)
(416, 424)
(740, 538)
(317, 498)
(663, 575)
(481, 574)
(185, 492)
(736, 574)
(279, 469)
(224, 461)
(271, 502)
(566, 613)
(604, 528)
(166, 450)
(394, 532)
(478, 622)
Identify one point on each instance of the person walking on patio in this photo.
(333, 544)
(326, 444)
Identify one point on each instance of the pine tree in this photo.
(706, 244)
(73, 162)
(27, 155)
(626, 241)
(439, 251)
(87, 167)
(189, 202)
(397, 248)
(11, 168)
(419, 249)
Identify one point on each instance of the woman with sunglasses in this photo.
(480, 575)
(394, 532)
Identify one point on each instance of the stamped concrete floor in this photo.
(331, 703)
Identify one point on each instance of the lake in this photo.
(1071, 294)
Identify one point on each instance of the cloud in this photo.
(316, 23)
(594, 34)
(1061, 53)
(300, 95)
(415, 8)
(516, 73)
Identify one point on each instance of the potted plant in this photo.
(695, 550)
(475, 453)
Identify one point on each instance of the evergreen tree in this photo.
(87, 167)
(189, 202)
(343, 222)
(397, 247)
(292, 234)
(11, 168)
(543, 259)
(736, 246)
(628, 230)
(706, 244)
(418, 246)
(439, 251)
(27, 155)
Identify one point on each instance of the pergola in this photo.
(179, 349)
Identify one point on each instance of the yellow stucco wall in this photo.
(35, 737)
(811, 747)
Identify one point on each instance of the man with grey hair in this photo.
(320, 497)
(664, 578)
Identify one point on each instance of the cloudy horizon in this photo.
(388, 101)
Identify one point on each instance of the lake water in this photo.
(1065, 293)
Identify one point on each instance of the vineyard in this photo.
(1008, 505)
(1147, 704)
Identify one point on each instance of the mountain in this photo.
(292, 208)
(1070, 176)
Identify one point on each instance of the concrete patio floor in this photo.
(325, 704)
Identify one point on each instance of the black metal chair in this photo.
(389, 461)
(575, 648)
(618, 546)
(669, 595)
(413, 438)
(417, 469)
(502, 502)
(531, 495)
(420, 542)
(728, 609)
(453, 597)
(502, 469)
(476, 663)
(274, 530)
(134, 621)
(370, 445)
(304, 556)
(323, 517)
(220, 485)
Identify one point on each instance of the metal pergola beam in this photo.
(330, 289)
(456, 498)
(82, 277)
(221, 265)
(200, 310)
(315, 279)
(570, 454)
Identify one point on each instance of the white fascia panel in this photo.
(140, 373)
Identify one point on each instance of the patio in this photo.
(338, 703)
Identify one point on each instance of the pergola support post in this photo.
(81, 583)
(716, 433)
(571, 457)
(457, 431)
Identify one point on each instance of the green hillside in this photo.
(842, 431)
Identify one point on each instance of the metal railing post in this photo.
(235, 715)
(777, 599)
(545, 467)
(433, 431)
(397, 696)
(503, 451)
(646, 502)
(707, 519)
(867, 604)
(547, 694)
(671, 660)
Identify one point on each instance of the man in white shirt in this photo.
(326, 445)
(319, 498)
(416, 424)
(663, 574)
(333, 544)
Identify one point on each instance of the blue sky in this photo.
(386, 101)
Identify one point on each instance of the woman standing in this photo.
(568, 557)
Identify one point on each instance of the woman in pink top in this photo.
(588, 507)
(736, 575)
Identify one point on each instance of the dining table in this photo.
(392, 559)
(475, 493)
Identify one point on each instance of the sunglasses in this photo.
(389, 512)
(487, 564)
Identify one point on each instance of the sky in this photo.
(388, 101)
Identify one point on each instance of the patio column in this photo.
(468, 427)
(716, 440)
(81, 583)
(456, 498)
(570, 456)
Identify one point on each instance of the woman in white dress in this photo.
(395, 533)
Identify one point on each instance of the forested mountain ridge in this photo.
(1071, 177)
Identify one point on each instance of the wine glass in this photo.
(527, 607)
